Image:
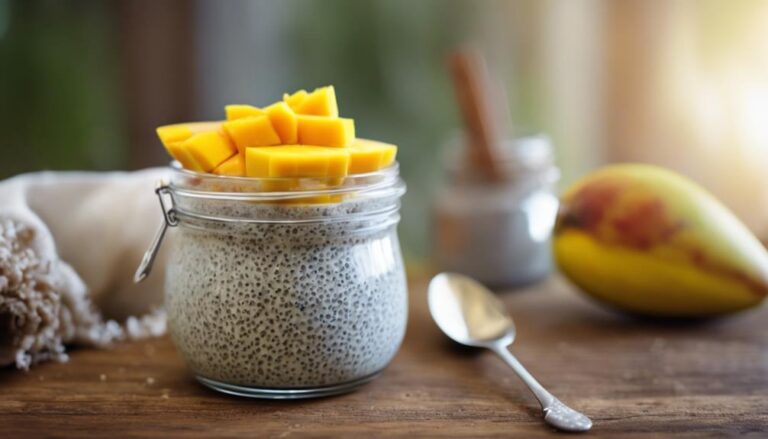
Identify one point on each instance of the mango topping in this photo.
(173, 133)
(183, 131)
(293, 100)
(370, 155)
(252, 131)
(321, 102)
(177, 151)
(300, 136)
(284, 121)
(239, 111)
(209, 149)
(325, 131)
(233, 166)
(173, 137)
(296, 161)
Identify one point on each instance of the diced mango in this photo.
(252, 131)
(203, 127)
(174, 135)
(182, 131)
(170, 134)
(295, 99)
(296, 143)
(321, 102)
(209, 149)
(369, 155)
(233, 166)
(178, 152)
(325, 131)
(296, 161)
(284, 121)
(240, 111)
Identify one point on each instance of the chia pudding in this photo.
(281, 296)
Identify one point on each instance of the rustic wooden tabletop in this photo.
(633, 378)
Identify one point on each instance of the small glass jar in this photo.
(285, 288)
(498, 233)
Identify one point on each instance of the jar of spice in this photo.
(498, 232)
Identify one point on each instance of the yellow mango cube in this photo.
(182, 131)
(293, 100)
(284, 121)
(174, 135)
(296, 161)
(233, 166)
(202, 127)
(325, 131)
(170, 134)
(209, 149)
(178, 152)
(252, 131)
(321, 102)
(370, 155)
(241, 111)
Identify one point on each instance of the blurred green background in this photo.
(59, 87)
(83, 83)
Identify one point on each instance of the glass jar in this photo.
(498, 233)
(285, 288)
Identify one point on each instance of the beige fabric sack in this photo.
(69, 245)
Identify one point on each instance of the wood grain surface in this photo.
(634, 378)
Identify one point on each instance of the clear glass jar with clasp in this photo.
(284, 288)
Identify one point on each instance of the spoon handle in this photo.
(544, 397)
(556, 413)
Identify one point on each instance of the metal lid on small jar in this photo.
(521, 160)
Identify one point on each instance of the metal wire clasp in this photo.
(163, 192)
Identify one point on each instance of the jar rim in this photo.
(221, 187)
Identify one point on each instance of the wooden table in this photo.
(634, 378)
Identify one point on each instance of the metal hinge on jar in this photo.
(169, 220)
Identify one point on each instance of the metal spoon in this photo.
(471, 315)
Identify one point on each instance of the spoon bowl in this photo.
(470, 314)
(467, 313)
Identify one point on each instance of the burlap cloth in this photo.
(69, 244)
